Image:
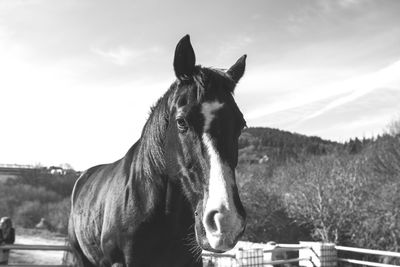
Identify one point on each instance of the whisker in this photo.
(193, 246)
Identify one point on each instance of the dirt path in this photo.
(37, 256)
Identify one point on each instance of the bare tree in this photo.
(328, 193)
(393, 127)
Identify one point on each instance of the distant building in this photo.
(12, 171)
(57, 170)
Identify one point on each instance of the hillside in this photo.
(258, 145)
(296, 187)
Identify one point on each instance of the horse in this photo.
(174, 192)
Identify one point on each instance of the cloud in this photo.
(122, 55)
(276, 90)
(365, 116)
(282, 90)
(328, 5)
(320, 102)
(351, 3)
(360, 86)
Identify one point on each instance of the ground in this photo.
(37, 237)
(43, 237)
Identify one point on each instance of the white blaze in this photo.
(220, 173)
(219, 200)
(221, 182)
(208, 109)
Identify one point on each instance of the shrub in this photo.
(58, 214)
(29, 214)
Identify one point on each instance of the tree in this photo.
(394, 127)
(326, 192)
(267, 218)
(387, 156)
(385, 230)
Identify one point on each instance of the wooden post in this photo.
(251, 257)
(321, 254)
(4, 256)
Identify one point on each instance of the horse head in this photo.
(201, 146)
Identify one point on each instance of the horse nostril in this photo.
(210, 221)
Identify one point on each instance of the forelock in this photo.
(206, 84)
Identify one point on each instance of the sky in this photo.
(77, 78)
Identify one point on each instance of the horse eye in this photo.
(182, 126)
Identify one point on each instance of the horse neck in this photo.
(144, 182)
(161, 195)
(149, 159)
(147, 165)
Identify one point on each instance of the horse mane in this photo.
(150, 159)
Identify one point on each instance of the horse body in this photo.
(174, 192)
(122, 223)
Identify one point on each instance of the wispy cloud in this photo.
(329, 5)
(360, 86)
(300, 88)
(279, 90)
(351, 3)
(320, 102)
(123, 55)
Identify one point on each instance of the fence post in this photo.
(321, 254)
(251, 257)
(4, 254)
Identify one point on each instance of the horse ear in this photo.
(185, 59)
(237, 70)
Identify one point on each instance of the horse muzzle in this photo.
(222, 229)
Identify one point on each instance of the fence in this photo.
(274, 255)
(310, 254)
(65, 248)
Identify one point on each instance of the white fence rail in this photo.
(369, 252)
